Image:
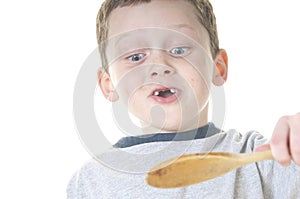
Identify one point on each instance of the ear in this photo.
(106, 86)
(221, 68)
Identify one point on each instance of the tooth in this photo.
(172, 90)
(156, 93)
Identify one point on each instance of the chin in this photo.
(173, 126)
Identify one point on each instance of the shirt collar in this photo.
(202, 132)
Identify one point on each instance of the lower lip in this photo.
(163, 100)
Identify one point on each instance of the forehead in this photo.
(165, 14)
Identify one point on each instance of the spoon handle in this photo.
(258, 156)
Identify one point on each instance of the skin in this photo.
(162, 66)
(285, 140)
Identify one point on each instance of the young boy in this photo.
(161, 58)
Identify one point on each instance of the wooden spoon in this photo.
(198, 167)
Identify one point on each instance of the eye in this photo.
(136, 57)
(179, 51)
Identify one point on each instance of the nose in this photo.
(161, 70)
(160, 65)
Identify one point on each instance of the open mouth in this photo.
(165, 93)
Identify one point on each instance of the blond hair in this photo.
(204, 14)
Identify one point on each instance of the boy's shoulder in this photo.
(123, 170)
(134, 158)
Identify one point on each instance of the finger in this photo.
(280, 142)
(262, 148)
(295, 138)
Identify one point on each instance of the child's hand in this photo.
(285, 141)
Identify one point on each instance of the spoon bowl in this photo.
(198, 167)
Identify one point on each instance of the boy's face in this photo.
(160, 64)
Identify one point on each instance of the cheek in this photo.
(201, 65)
(204, 76)
(127, 81)
(138, 107)
(197, 80)
(199, 87)
(199, 83)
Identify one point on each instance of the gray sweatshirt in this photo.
(120, 172)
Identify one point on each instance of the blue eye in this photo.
(179, 51)
(136, 57)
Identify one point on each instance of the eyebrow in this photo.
(177, 26)
(120, 38)
(182, 25)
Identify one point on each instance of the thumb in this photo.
(262, 148)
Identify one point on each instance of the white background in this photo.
(44, 43)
